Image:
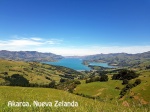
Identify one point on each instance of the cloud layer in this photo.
(55, 46)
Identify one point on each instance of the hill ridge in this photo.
(29, 55)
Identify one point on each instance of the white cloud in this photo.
(53, 41)
(55, 46)
(19, 42)
(71, 51)
(24, 42)
(36, 38)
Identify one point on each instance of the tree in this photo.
(87, 81)
(17, 80)
(52, 84)
(125, 74)
(104, 78)
(77, 82)
(125, 81)
(137, 81)
(62, 80)
(5, 73)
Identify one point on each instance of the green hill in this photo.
(29, 56)
(109, 91)
(34, 72)
(91, 97)
(51, 95)
(139, 60)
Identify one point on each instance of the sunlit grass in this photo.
(50, 95)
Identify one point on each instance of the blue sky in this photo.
(75, 27)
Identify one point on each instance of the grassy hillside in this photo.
(33, 71)
(139, 60)
(51, 95)
(106, 91)
(29, 55)
(141, 92)
(101, 96)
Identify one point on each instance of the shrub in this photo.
(87, 81)
(62, 80)
(123, 91)
(125, 81)
(52, 84)
(125, 74)
(104, 78)
(129, 86)
(77, 82)
(117, 87)
(17, 80)
(137, 81)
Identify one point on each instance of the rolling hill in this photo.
(29, 56)
(110, 91)
(52, 95)
(121, 59)
(35, 72)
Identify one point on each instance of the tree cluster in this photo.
(129, 86)
(17, 80)
(125, 74)
(68, 85)
(101, 78)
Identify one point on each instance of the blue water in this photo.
(76, 64)
(102, 64)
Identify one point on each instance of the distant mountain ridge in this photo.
(137, 55)
(29, 55)
(120, 59)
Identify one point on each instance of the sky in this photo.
(75, 27)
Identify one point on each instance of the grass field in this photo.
(106, 90)
(50, 95)
(141, 92)
(33, 71)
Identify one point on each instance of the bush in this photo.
(125, 81)
(129, 86)
(104, 78)
(63, 80)
(125, 74)
(137, 81)
(87, 81)
(77, 82)
(17, 80)
(52, 84)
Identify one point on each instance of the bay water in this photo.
(76, 64)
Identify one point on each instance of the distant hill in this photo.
(29, 56)
(120, 59)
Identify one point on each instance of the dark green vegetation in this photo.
(125, 74)
(140, 60)
(101, 78)
(17, 80)
(29, 56)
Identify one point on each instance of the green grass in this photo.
(50, 95)
(34, 72)
(105, 90)
(141, 92)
